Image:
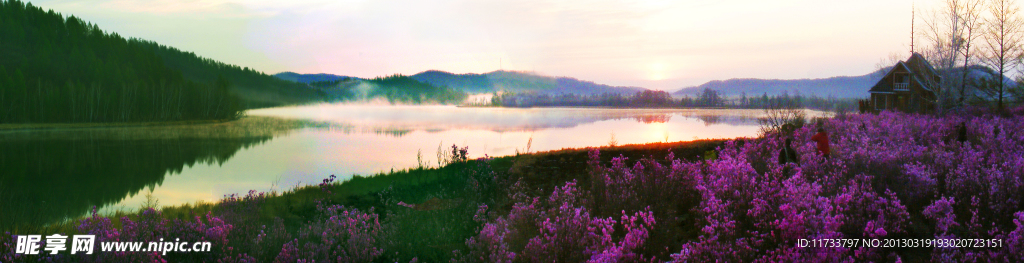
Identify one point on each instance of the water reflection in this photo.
(656, 118)
(48, 175)
(707, 119)
(439, 118)
(51, 174)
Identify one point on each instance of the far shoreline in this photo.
(6, 127)
(611, 107)
(21, 127)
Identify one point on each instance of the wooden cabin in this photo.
(908, 87)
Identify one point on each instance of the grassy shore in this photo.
(245, 127)
(48, 126)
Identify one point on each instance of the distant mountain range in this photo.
(514, 81)
(522, 82)
(505, 81)
(839, 87)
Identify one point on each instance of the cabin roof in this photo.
(921, 72)
(917, 61)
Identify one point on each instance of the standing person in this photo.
(822, 139)
(788, 154)
(961, 133)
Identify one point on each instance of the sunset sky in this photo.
(654, 44)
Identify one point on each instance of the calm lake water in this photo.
(48, 175)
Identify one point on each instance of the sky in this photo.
(665, 45)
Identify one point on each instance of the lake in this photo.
(52, 174)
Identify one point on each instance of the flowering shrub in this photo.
(886, 171)
(890, 175)
(561, 229)
(342, 235)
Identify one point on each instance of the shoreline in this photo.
(613, 107)
(99, 125)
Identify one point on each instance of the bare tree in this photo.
(971, 24)
(884, 64)
(944, 28)
(780, 113)
(1003, 43)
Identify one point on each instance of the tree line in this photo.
(647, 98)
(394, 88)
(708, 98)
(765, 101)
(62, 69)
(81, 101)
(256, 89)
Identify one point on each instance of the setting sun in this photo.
(657, 71)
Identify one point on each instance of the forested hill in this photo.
(255, 88)
(62, 69)
(394, 89)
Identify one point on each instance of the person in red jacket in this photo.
(822, 139)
